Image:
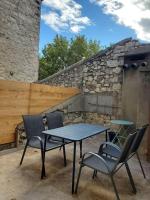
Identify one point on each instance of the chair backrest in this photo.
(127, 147)
(138, 138)
(54, 120)
(33, 125)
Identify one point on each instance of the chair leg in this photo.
(79, 174)
(114, 186)
(130, 178)
(25, 148)
(43, 151)
(140, 164)
(64, 153)
(94, 174)
(43, 173)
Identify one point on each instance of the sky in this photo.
(107, 21)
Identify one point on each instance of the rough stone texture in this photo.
(99, 76)
(19, 39)
(70, 77)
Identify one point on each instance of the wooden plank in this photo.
(47, 93)
(14, 94)
(13, 102)
(55, 96)
(15, 110)
(7, 138)
(39, 109)
(8, 129)
(53, 89)
(45, 102)
(48, 98)
(13, 86)
(7, 122)
(10, 117)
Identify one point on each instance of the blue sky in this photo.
(107, 21)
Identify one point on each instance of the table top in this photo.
(122, 122)
(76, 132)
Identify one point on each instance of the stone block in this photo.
(106, 85)
(116, 86)
(112, 63)
(117, 70)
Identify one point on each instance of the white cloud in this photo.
(64, 15)
(131, 13)
(76, 28)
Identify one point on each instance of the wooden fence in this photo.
(18, 98)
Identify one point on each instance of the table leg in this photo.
(81, 149)
(74, 166)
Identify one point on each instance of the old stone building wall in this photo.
(19, 39)
(100, 80)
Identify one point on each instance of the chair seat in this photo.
(95, 163)
(109, 150)
(50, 144)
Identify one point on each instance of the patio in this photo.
(111, 84)
(24, 183)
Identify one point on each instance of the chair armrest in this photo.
(40, 140)
(114, 146)
(99, 157)
(37, 137)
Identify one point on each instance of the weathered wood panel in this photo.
(17, 99)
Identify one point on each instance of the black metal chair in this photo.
(34, 126)
(119, 137)
(107, 165)
(134, 150)
(55, 120)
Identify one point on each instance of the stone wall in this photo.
(102, 72)
(100, 79)
(19, 39)
(69, 77)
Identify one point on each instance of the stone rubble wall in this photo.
(69, 77)
(100, 79)
(19, 39)
(99, 73)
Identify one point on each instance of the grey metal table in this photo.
(122, 122)
(75, 133)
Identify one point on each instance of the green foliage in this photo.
(77, 50)
(62, 53)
